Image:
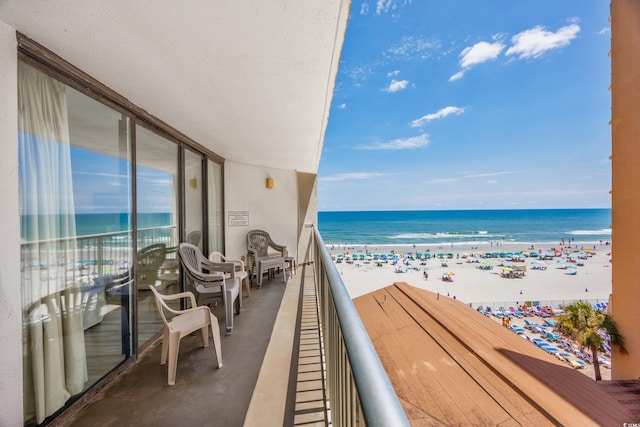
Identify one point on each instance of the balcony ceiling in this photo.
(250, 80)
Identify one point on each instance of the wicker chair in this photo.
(258, 244)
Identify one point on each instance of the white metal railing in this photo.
(358, 388)
(91, 256)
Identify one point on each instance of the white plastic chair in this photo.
(212, 281)
(258, 244)
(182, 324)
(241, 272)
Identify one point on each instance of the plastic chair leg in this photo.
(165, 346)
(259, 276)
(228, 312)
(205, 336)
(174, 347)
(215, 333)
(284, 271)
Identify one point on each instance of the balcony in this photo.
(273, 366)
(299, 355)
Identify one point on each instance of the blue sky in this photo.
(497, 104)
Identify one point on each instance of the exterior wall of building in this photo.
(625, 130)
(307, 213)
(271, 209)
(10, 296)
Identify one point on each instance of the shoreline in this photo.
(467, 245)
(558, 282)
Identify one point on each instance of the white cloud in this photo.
(397, 85)
(605, 31)
(483, 175)
(410, 143)
(479, 53)
(383, 6)
(351, 176)
(393, 73)
(534, 42)
(456, 76)
(442, 180)
(469, 176)
(342, 106)
(410, 48)
(443, 112)
(105, 174)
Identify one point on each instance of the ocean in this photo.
(466, 227)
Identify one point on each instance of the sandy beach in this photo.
(551, 285)
(471, 284)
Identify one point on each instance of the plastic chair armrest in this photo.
(180, 295)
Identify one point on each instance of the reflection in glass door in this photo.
(76, 251)
(157, 224)
(215, 210)
(193, 198)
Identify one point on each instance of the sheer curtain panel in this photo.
(55, 365)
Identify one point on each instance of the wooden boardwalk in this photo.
(451, 365)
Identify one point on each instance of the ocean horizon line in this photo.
(462, 210)
(464, 245)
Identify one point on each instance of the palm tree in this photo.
(584, 324)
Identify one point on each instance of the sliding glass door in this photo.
(193, 198)
(87, 262)
(76, 253)
(215, 208)
(158, 220)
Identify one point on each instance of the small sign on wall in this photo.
(238, 218)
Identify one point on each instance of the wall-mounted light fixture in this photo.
(269, 182)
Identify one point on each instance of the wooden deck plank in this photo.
(504, 395)
(451, 364)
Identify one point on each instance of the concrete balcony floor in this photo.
(274, 350)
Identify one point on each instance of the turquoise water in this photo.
(91, 224)
(482, 227)
(87, 224)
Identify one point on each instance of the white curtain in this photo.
(55, 366)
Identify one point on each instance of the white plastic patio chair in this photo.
(241, 272)
(212, 281)
(258, 244)
(182, 324)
